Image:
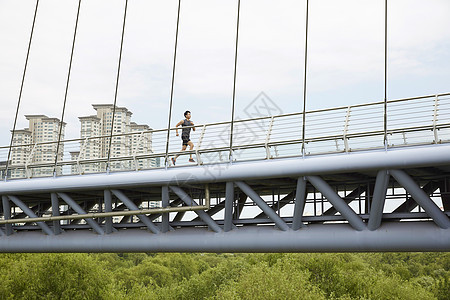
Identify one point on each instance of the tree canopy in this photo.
(225, 276)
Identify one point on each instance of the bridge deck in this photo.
(410, 122)
(373, 199)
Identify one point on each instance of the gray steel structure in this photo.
(364, 196)
(352, 191)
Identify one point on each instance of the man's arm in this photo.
(178, 124)
(192, 123)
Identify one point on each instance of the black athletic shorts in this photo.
(185, 140)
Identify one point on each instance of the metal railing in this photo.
(412, 121)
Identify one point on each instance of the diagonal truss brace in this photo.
(421, 198)
(190, 202)
(263, 205)
(353, 219)
(349, 198)
(300, 200)
(30, 214)
(410, 203)
(279, 204)
(153, 228)
(378, 200)
(81, 211)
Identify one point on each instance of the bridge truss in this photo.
(362, 201)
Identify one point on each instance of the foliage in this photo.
(225, 276)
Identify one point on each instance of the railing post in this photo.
(141, 137)
(344, 134)
(269, 132)
(81, 154)
(29, 160)
(435, 119)
(197, 149)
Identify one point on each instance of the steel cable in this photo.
(61, 124)
(304, 80)
(21, 89)
(234, 81)
(173, 81)
(385, 75)
(117, 86)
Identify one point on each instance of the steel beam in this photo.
(55, 212)
(348, 199)
(263, 205)
(214, 210)
(190, 202)
(444, 187)
(300, 200)
(279, 204)
(128, 203)
(240, 205)
(379, 197)
(7, 214)
(408, 157)
(410, 203)
(165, 203)
(229, 200)
(421, 198)
(108, 208)
(353, 219)
(30, 214)
(179, 216)
(402, 236)
(80, 211)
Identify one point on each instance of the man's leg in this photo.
(174, 159)
(191, 147)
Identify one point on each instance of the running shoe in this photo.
(191, 160)
(173, 161)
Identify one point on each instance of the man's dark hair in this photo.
(186, 112)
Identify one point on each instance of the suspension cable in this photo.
(21, 89)
(234, 81)
(172, 86)
(117, 86)
(385, 75)
(61, 124)
(304, 81)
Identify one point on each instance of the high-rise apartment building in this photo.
(38, 145)
(123, 143)
(90, 148)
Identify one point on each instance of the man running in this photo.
(185, 135)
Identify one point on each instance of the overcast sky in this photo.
(345, 56)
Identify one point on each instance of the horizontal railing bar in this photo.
(262, 221)
(116, 213)
(106, 214)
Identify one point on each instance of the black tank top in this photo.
(186, 131)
